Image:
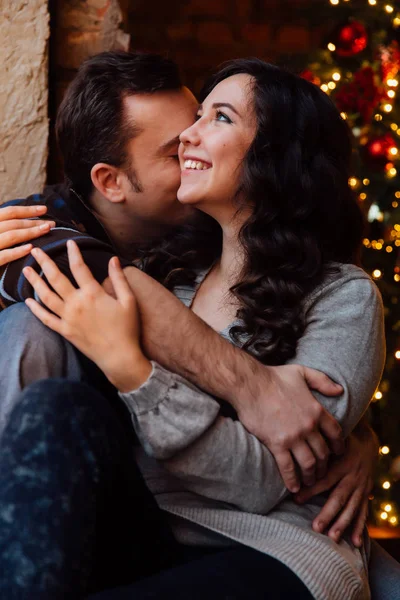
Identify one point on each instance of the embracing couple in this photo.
(160, 443)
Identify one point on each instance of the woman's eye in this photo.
(223, 117)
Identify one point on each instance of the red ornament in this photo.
(361, 95)
(377, 151)
(308, 75)
(390, 60)
(351, 39)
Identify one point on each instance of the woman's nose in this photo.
(190, 135)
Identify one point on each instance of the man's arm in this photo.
(275, 404)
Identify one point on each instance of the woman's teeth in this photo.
(195, 164)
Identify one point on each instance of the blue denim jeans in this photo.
(32, 352)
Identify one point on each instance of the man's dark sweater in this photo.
(74, 220)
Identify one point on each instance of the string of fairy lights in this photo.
(386, 512)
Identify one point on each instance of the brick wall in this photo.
(200, 34)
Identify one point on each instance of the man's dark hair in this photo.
(90, 124)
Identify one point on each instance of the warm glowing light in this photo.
(393, 151)
(397, 243)
(396, 22)
(388, 108)
(331, 85)
(366, 181)
(386, 485)
(334, 2)
(395, 204)
(389, 249)
(377, 274)
(388, 507)
(331, 47)
(392, 172)
(397, 354)
(397, 194)
(384, 515)
(378, 245)
(378, 117)
(378, 396)
(389, 9)
(394, 127)
(343, 115)
(393, 520)
(391, 93)
(363, 196)
(353, 181)
(324, 87)
(384, 450)
(397, 277)
(336, 76)
(372, 2)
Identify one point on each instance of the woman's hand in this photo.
(18, 225)
(350, 478)
(105, 329)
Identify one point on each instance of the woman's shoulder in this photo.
(347, 283)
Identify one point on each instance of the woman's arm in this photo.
(217, 457)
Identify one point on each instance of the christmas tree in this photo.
(358, 66)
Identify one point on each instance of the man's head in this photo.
(118, 128)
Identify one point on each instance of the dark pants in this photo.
(76, 516)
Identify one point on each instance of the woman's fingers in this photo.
(44, 293)
(120, 283)
(44, 315)
(56, 279)
(337, 500)
(7, 256)
(348, 514)
(359, 524)
(22, 212)
(19, 236)
(79, 269)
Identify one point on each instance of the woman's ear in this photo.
(108, 181)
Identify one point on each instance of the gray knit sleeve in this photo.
(216, 457)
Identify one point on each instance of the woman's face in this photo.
(213, 148)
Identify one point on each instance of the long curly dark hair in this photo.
(305, 215)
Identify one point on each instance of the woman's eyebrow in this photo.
(221, 105)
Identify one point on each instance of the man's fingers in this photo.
(22, 212)
(321, 451)
(43, 315)
(44, 293)
(359, 524)
(79, 269)
(306, 462)
(56, 279)
(9, 239)
(120, 283)
(287, 470)
(332, 431)
(316, 380)
(337, 500)
(7, 256)
(15, 224)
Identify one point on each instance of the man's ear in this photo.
(108, 181)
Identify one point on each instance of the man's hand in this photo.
(350, 478)
(18, 224)
(285, 416)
